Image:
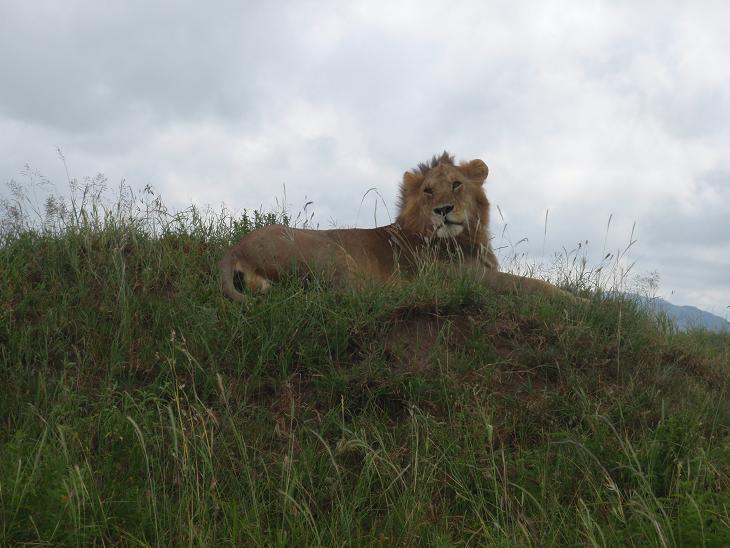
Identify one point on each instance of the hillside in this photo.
(140, 407)
(688, 317)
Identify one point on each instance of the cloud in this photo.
(585, 109)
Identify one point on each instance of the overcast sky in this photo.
(584, 108)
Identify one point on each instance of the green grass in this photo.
(140, 407)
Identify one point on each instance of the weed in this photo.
(138, 406)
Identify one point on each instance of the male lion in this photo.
(443, 213)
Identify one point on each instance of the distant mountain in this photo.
(687, 317)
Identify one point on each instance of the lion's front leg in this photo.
(504, 282)
(487, 258)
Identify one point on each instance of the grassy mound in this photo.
(139, 406)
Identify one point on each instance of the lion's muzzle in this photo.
(446, 222)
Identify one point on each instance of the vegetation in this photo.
(139, 407)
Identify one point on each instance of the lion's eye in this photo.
(428, 191)
(455, 185)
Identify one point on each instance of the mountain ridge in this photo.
(686, 316)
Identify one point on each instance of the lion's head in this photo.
(443, 200)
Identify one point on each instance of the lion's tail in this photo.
(225, 266)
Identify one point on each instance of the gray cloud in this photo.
(587, 110)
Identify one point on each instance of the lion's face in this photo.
(447, 201)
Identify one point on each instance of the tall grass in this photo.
(140, 407)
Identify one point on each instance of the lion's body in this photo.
(443, 212)
(344, 257)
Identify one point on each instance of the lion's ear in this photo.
(411, 180)
(475, 170)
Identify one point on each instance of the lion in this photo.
(443, 213)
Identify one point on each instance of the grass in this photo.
(140, 407)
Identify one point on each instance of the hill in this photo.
(688, 317)
(140, 407)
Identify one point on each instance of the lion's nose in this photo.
(443, 210)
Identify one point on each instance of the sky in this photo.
(584, 110)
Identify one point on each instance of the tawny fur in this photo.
(443, 210)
